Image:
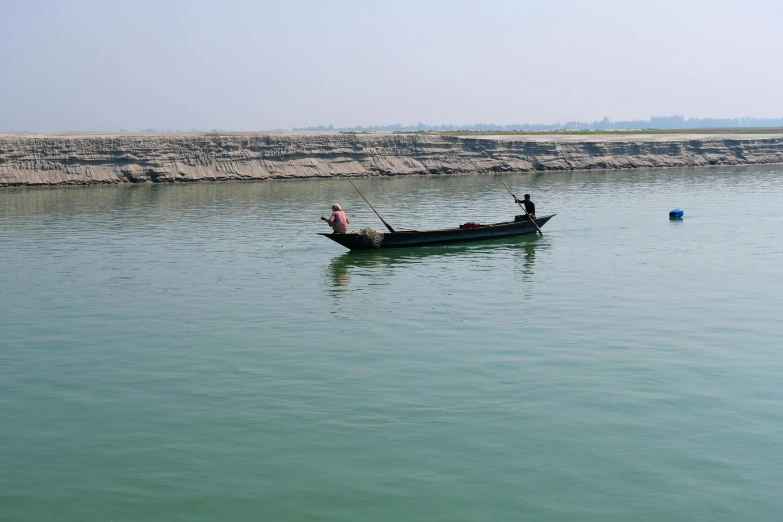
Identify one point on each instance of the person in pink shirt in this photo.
(338, 220)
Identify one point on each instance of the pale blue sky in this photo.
(257, 65)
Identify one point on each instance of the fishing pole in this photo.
(296, 235)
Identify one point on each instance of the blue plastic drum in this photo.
(676, 213)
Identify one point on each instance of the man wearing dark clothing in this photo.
(530, 207)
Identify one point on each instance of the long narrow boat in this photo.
(408, 238)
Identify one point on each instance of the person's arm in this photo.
(519, 201)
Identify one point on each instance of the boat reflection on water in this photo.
(525, 259)
(379, 266)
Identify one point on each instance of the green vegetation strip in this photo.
(729, 130)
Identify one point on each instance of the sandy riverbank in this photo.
(29, 159)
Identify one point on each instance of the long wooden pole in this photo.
(373, 208)
(523, 208)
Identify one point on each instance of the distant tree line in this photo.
(656, 122)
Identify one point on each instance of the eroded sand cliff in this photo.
(28, 159)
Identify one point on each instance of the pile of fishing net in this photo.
(371, 236)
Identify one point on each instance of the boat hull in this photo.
(408, 238)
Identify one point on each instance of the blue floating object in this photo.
(676, 213)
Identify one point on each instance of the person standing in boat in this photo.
(530, 207)
(338, 220)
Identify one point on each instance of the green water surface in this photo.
(163, 358)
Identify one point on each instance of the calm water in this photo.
(162, 358)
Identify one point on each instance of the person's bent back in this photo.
(338, 220)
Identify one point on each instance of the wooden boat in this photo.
(408, 238)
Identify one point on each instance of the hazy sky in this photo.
(260, 65)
